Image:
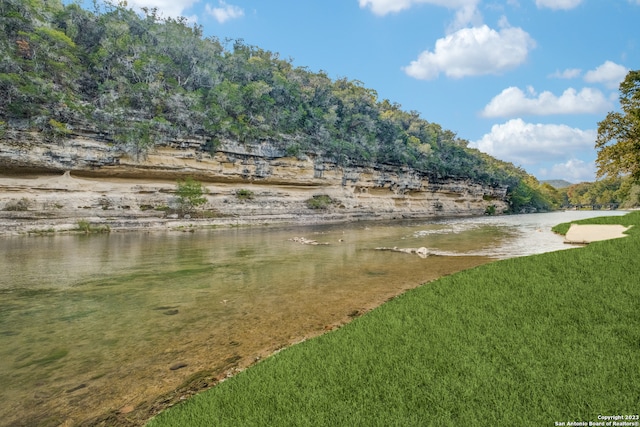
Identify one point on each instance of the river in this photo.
(105, 327)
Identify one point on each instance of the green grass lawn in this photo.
(528, 341)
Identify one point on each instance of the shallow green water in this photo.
(104, 323)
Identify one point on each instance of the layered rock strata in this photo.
(52, 185)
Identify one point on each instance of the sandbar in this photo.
(587, 233)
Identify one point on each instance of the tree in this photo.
(190, 194)
(618, 138)
(134, 138)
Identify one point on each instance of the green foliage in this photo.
(618, 140)
(134, 138)
(85, 226)
(244, 194)
(520, 197)
(515, 342)
(604, 192)
(528, 195)
(190, 194)
(321, 201)
(57, 131)
(629, 194)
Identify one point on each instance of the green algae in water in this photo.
(148, 277)
(30, 293)
(54, 356)
(376, 273)
(76, 316)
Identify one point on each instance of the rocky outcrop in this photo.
(44, 183)
(28, 151)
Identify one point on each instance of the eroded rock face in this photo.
(88, 178)
(28, 150)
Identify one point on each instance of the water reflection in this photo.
(91, 325)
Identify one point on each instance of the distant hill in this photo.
(558, 183)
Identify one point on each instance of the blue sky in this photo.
(523, 80)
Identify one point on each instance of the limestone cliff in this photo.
(50, 185)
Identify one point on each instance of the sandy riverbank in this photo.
(587, 233)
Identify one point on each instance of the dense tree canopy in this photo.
(142, 81)
(607, 192)
(618, 141)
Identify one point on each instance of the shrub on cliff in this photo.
(321, 201)
(190, 194)
(244, 194)
(85, 226)
(18, 205)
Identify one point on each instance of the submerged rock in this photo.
(422, 252)
(306, 241)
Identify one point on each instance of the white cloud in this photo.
(384, 7)
(610, 74)
(466, 10)
(527, 143)
(472, 52)
(166, 8)
(558, 4)
(224, 12)
(464, 16)
(574, 170)
(569, 73)
(514, 102)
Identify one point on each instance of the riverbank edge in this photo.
(81, 224)
(628, 219)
